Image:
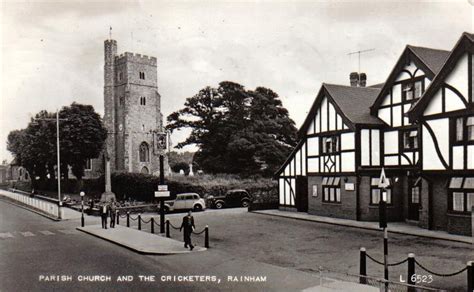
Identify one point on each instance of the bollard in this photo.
(117, 215)
(411, 271)
(128, 219)
(470, 276)
(363, 266)
(152, 225)
(206, 236)
(168, 228)
(139, 222)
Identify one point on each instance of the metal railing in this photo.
(411, 265)
(129, 218)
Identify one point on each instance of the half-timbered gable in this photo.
(406, 83)
(446, 112)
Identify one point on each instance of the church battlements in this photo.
(136, 58)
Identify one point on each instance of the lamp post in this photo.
(58, 156)
(82, 208)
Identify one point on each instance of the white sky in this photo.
(52, 53)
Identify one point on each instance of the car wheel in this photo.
(167, 210)
(219, 205)
(197, 207)
(245, 203)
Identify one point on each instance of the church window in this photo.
(145, 170)
(142, 75)
(88, 164)
(144, 152)
(142, 100)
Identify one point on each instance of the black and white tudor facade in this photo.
(418, 125)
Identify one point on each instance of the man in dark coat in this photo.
(112, 211)
(188, 225)
(104, 213)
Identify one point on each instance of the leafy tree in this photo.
(82, 136)
(238, 131)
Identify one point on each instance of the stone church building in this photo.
(132, 113)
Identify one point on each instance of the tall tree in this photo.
(248, 132)
(82, 136)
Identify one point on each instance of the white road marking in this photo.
(6, 235)
(46, 232)
(27, 234)
(67, 231)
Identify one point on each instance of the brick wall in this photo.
(346, 209)
(395, 212)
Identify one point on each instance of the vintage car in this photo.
(232, 198)
(185, 201)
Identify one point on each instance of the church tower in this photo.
(131, 110)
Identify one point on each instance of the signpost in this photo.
(384, 183)
(160, 145)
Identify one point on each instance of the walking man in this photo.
(112, 211)
(104, 213)
(188, 225)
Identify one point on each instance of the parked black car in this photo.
(232, 198)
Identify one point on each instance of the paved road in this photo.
(305, 246)
(32, 247)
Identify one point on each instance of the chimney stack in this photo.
(354, 78)
(362, 79)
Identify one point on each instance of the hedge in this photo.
(141, 187)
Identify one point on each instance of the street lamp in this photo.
(82, 208)
(57, 119)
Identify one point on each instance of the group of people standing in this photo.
(108, 210)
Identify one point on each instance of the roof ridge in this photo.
(349, 86)
(427, 48)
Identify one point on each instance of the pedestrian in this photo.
(112, 211)
(188, 225)
(104, 213)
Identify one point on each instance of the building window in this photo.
(88, 164)
(330, 145)
(415, 192)
(142, 100)
(145, 170)
(461, 195)
(463, 130)
(144, 152)
(470, 128)
(142, 75)
(331, 189)
(412, 90)
(410, 139)
(376, 193)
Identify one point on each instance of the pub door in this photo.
(302, 193)
(414, 190)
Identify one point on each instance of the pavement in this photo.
(139, 241)
(393, 227)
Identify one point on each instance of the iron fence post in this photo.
(206, 236)
(168, 228)
(128, 219)
(139, 222)
(152, 225)
(117, 215)
(363, 266)
(411, 271)
(470, 276)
